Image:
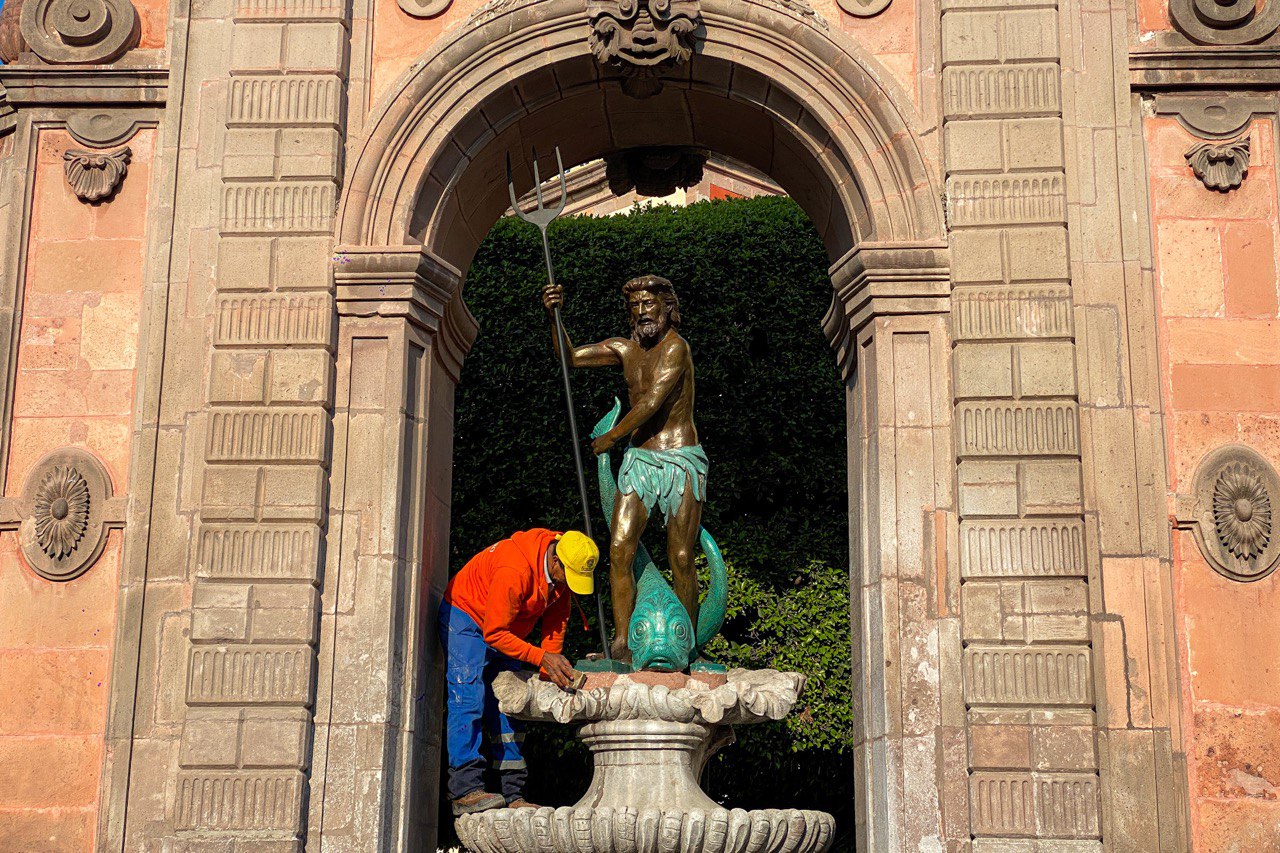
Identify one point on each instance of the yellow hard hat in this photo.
(579, 555)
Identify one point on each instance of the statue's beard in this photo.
(648, 332)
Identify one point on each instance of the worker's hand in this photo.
(558, 669)
(552, 297)
(604, 443)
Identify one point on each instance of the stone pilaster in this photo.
(403, 332)
(888, 324)
(1025, 552)
(250, 684)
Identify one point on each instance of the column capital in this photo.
(411, 284)
(883, 280)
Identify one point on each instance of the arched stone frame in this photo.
(424, 188)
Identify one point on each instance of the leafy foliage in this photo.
(751, 275)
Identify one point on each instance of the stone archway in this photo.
(770, 87)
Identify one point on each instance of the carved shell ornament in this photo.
(1231, 513)
(61, 511)
(95, 175)
(1220, 167)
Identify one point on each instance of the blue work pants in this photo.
(478, 735)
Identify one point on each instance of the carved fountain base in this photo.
(650, 735)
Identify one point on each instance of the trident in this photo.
(542, 217)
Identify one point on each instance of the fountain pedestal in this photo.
(650, 736)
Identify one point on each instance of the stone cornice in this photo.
(1198, 67)
(40, 85)
(881, 280)
(411, 284)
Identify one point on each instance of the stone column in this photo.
(402, 333)
(889, 325)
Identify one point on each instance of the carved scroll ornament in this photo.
(66, 510)
(1226, 21)
(79, 31)
(643, 38)
(96, 175)
(1220, 167)
(1231, 513)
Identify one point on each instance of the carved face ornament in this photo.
(644, 33)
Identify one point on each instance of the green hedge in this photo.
(751, 275)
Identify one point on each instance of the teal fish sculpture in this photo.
(661, 636)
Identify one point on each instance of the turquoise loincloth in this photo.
(659, 476)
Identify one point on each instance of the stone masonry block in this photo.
(1028, 33)
(210, 738)
(303, 262)
(1033, 143)
(999, 747)
(976, 256)
(1057, 629)
(276, 737)
(315, 46)
(1049, 486)
(983, 370)
(249, 153)
(1057, 596)
(229, 492)
(1036, 254)
(257, 46)
(293, 493)
(1046, 369)
(1063, 748)
(308, 152)
(238, 377)
(219, 612)
(971, 36)
(970, 147)
(244, 263)
(980, 611)
(988, 488)
(285, 613)
(301, 376)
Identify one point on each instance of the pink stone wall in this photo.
(74, 387)
(1220, 348)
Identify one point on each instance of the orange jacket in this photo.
(504, 588)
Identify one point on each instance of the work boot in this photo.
(477, 801)
(522, 803)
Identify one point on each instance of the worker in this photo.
(489, 609)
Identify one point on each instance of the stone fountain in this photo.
(650, 735)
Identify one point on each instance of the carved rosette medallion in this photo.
(61, 511)
(96, 175)
(1225, 21)
(79, 31)
(63, 529)
(1232, 514)
(643, 39)
(1220, 167)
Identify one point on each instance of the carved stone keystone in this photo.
(655, 172)
(643, 39)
